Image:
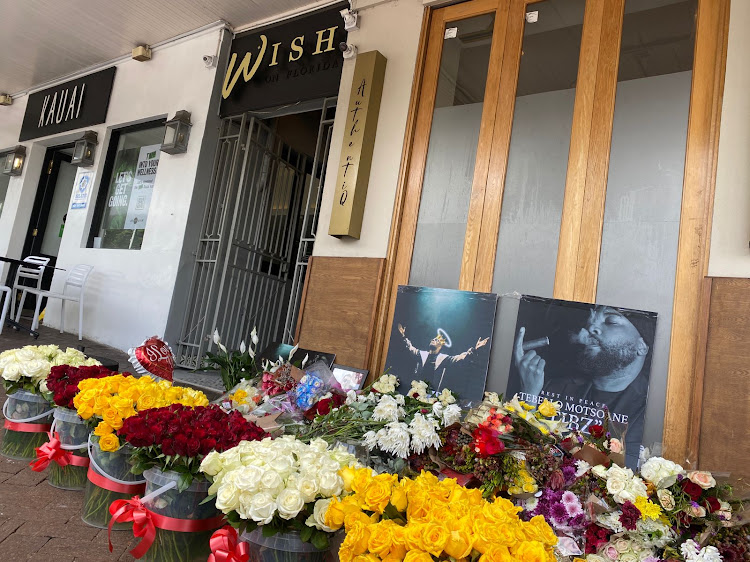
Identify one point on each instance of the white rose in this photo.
(307, 487)
(36, 369)
(211, 464)
(262, 507)
(12, 372)
(282, 466)
(249, 478)
(43, 386)
(228, 498)
(318, 518)
(25, 354)
(628, 557)
(289, 503)
(600, 471)
(331, 484)
(271, 482)
(319, 445)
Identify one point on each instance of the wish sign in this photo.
(154, 358)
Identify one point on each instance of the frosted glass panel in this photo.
(644, 187)
(58, 209)
(537, 168)
(451, 155)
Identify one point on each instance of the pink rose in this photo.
(696, 510)
(615, 445)
(703, 479)
(611, 552)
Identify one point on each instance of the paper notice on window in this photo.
(143, 186)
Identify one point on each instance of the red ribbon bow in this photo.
(226, 546)
(123, 511)
(50, 451)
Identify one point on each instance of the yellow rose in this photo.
(367, 558)
(358, 536)
(334, 517)
(434, 538)
(109, 443)
(417, 556)
(497, 554)
(547, 409)
(146, 401)
(544, 531)
(354, 518)
(361, 480)
(399, 498)
(85, 411)
(459, 544)
(112, 417)
(103, 429)
(377, 494)
(381, 539)
(530, 551)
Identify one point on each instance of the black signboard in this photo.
(72, 105)
(295, 60)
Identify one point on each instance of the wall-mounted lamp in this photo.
(177, 133)
(13, 160)
(84, 150)
(348, 50)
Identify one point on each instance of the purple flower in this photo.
(559, 513)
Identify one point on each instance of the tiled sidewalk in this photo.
(39, 522)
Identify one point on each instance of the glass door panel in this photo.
(452, 152)
(644, 186)
(537, 168)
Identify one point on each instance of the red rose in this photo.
(486, 442)
(691, 489)
(596, 431)
(712, 504)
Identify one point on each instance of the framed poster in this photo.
(442, 337)
(588, 357)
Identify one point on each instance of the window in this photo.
(129, 174)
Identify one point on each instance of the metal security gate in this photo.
(246, 273)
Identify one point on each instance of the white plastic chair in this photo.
(77, 278)
(34, 271)
(6, 293)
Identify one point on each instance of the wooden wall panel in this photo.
(339, 308)
(726, 386)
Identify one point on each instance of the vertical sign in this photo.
(81, 189)
(356, 150)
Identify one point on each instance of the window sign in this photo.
(130, 186)
(81, 189)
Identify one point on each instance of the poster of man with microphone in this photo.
(590, 358)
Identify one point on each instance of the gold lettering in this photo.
(297, 43)
(274, 62)
(329, 40)
(244, 68)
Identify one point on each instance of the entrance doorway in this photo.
(50, 211)
(258, 229)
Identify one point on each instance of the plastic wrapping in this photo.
(283, 547)
(175, 546)
(74, 434)
(114, 466)
(25, 407)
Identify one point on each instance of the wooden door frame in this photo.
(580, 247)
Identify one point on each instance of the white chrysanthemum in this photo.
(423, 434)
(394, 439)
(387, 409)
(582, 467)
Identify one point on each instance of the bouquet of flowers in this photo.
(27, 414)
(283, 485)
(62, 382)
(108, 401)
(427, 519)
(169, 444)
(244, 397)
(27, 368)
(278, 380)
(234, 366)
(386, 422)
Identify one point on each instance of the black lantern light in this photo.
(12, 161)
(177, 133)
(84, 150)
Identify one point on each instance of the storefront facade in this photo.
(569, 154)
(129, 292)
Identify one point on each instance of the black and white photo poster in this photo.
(442, 337)
(590, 358)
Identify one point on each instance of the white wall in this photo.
(129, 293)
(393, 28)
(730, 255)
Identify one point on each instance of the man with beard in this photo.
(431, 364)
(610, 356)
